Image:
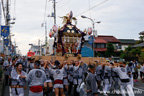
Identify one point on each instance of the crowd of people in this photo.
(70, 78)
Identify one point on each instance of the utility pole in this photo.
(54, 12)
(39, 45)
(45, 34)
(7, 23)
(45, 37)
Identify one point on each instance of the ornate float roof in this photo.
(71, 30)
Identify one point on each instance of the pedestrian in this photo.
(70, 77)
(124, 79)
(130, 71)
(36, 78)
(31, 65)
(91, 85)
(99, 74)
(142, 72)
(65, 78)
(6, 65)
(28, 64)
(25, 62)
(48, 86)
(135, 73)
(18, 80)
(58, 73)
(11, 67)
(77, 76)
(116, 80)
(107, 78)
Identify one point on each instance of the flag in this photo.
(5, 31)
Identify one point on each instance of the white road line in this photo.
(10, 91)
(138, 88)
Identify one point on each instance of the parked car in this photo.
(118, 59)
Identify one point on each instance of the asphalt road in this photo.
(138, 90)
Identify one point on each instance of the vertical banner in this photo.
(90, 39)
(6, 42)
(0, 18)
(1, 47)
(5, 31)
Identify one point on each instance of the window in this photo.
(100, 45)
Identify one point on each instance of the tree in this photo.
(141, 39)
(110, 50)
(141, 57)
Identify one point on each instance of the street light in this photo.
(31, 46)
(11, 22)
(93, 25)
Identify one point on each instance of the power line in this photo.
(45, 10)
(14, 11)
(64, 4)
(3, 9)
(59, 1)
(91, 8)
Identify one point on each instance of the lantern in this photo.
(55, 28)
(89, 31)
(51, 34)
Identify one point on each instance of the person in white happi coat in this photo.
(77, 76)
(70, 76)
(91, 85)
(124, 79)
(36, 78)
(65, 79)
(6, 65)
(18, 80)
(48, 86)
(130, 70)
(58, 78)
(107, 78)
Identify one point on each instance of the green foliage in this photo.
(110, 50)
(141, 39)
(131, 52)
(141, 58)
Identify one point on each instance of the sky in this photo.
(123, 19)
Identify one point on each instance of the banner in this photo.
(90, 39)
(6, 42)
(5, 31)
(0, 17)
(9, 48)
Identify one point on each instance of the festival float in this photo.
(68, 40)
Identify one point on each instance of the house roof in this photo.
(99, 40)
(109, 39)
(127, 41)
(100, 49)
(139, 45)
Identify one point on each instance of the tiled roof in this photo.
(99, 40)
(127, 41)
(100, 49)
(139, 45)
(109, 39)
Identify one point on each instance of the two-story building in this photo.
(101, 43)
(124, 43)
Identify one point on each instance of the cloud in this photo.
(120, 18)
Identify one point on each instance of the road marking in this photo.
(138, 88)
(10, 91)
